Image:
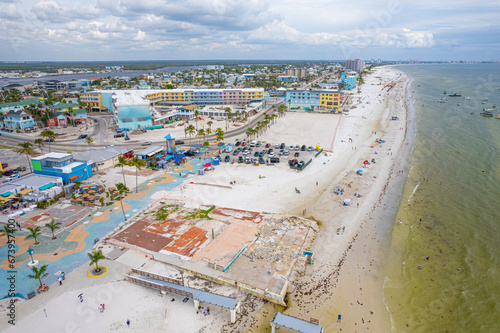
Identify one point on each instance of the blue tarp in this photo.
(6, 194)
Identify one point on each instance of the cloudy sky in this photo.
(249, 29)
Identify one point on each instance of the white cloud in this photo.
(10, 11)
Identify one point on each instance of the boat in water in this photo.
(497, 116)
(458, 104)
(442, 100)
(455, 95)
(467, 98)
(444, 92)
(494, 106)
(486, 114)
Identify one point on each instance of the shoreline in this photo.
(362, 263)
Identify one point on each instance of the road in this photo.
(100, 134)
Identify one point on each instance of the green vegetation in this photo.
(34, 233)
(200, 214)
(95, 257)
(39, 274)
(164, 212)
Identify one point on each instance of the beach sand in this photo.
(346, 276)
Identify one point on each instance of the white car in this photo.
(146, 143)
(14, 176)
(271, 154)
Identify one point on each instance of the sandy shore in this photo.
(347, 274)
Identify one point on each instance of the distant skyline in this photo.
(103, 30)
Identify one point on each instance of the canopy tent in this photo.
(73, 177)
(207, 165)
(360, 171)
(366, 162)
(25, 191)
(6, 194)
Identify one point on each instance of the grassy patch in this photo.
(200, 214)
(164, 212)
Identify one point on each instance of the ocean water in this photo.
(454, 187)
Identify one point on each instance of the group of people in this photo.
(201, 310)
(102, 307)
(339, 230)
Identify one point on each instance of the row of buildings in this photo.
(14, 116)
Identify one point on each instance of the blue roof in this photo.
(203, 296)
(169, 136)
(296, 324)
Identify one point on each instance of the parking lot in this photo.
(259, 153)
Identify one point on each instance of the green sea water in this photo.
(457, 242)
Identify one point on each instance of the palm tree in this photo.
(228, 114)
(201, 133)
(39, 273)
(196, 114)
(26, 148)
(121, 190)
(190, 130)
(40, 143)
(249, 132)
(95, 257)
(53, 226)
(209, 123)
(48, 134)
(122, 162)
(89, 141)
(34, 233)
(137, 163)
(6, 231)
(219, 134)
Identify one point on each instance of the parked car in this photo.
(120, 135)
(303, 148)
(262, 160)
(277, 146)
(274, 160)
(48, 140)
(236, 152)
(271, 154)
(227, 158)
(293, 162)
(4, 165)
(297, 154)
(268, 145)
(257, 144)
(21, 168)
(291, 148)
(243, 144)
(83, 136)
(146, 143)
(9, 172)
(301, 164)
(286, 153)
(281, 152)
(248, 160)
(253, 143)
(297, 147)
(261, 154)
(282, 146)
(240, 159)
(238, 143)
(256, 154)
(127, 138)
(270, 150)
(12, 177)
(310, 148)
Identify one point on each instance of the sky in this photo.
(103, 30)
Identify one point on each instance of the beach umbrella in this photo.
(338, 187)
(207, 165)
(365, 162)
(360, 171)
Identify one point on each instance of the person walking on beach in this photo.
(60, 281)
(63, 276)
(339, 318)
(128, 323)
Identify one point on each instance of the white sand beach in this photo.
(345, 277)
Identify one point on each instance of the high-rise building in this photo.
(297, 72)
(356, 65)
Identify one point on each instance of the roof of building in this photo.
(203, 296)
(149, 150)
(23, 102)
(296, 324)
(100, 155)
(50, 155)
(15, 113)
(31, 180)
(60, 106)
